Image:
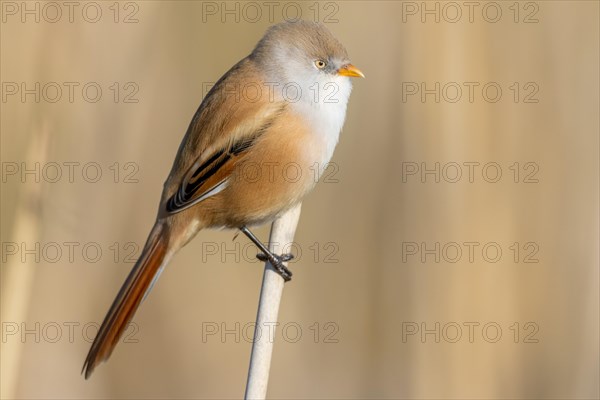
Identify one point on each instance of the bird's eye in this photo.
(320, 64)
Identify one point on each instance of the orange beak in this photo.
(351, 71)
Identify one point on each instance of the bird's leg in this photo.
(275, 260)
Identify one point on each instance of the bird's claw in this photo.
(284, 257)
(277, 263)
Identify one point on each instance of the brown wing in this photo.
(209, 177)
(223, 130)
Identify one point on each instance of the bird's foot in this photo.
(277, 263)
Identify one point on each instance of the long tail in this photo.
(140, 280)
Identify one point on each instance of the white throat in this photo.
(321, 101)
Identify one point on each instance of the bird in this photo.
(282, 105)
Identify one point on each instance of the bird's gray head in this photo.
(302, 49)
(306, 58)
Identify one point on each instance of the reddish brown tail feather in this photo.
(129, 298)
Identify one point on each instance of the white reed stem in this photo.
(282, 234)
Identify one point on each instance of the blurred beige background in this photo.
(370, 313)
